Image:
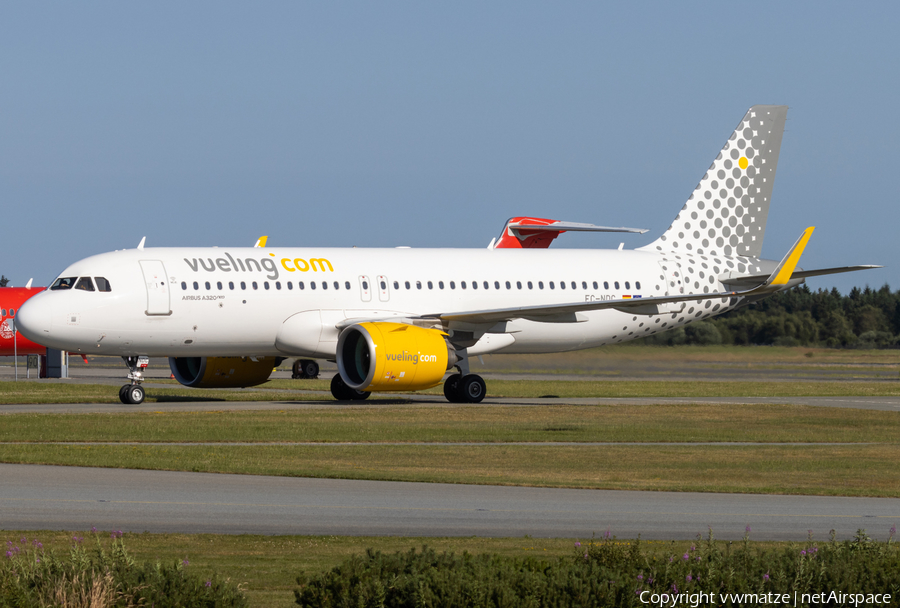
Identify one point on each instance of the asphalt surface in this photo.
(73, 498)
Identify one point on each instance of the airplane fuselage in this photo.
(286, 302)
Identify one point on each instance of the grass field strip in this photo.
(429, 443)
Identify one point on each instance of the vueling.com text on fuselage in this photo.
(232, 264)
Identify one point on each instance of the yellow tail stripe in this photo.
(790, 262)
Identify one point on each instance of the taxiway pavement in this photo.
(75, 498)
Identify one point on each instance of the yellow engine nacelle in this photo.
(222, 372)
(393, 357)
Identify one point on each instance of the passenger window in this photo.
(562, 284)
(277, 284)
(231, 285)
(254, 285)
(383, 285)
(365, 285)
(219, 285)
(406, 284)
(12, 312)
(61, 283)
(508, 286)
(627, 285)
(637, 284)
(530, 286)
(243, 285)
(266, 284)
(301, 285)
(418, 284)
(540, 284)
(595, 284)
(2, 312)
(462, 284)
(103, 284)
(496, 284)
(474, 284)
(312, 284)
(441, 284)
(487, 285)
(552, 285)
(396, 285)
(452, 285)
(183, 286)
(616, 284)
(519, 284)
(208, 286)
(584, 284)
(430, 285)
(196, 286)
(574, 285)
(605, 284)
(346, 285)
(324, 284)
(337, 285)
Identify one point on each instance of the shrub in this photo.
(102, 578)
(607, 573)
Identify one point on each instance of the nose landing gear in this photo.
(305, 369)
(133, 394)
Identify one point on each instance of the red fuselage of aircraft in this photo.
(11, 298)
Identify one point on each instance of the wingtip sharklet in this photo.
(786, 268)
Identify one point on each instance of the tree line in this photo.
(865, 318)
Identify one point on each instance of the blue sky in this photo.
(428, 124)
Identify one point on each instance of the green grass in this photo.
(290, 390)
(587, 423)
(855, 470)
(417, 444)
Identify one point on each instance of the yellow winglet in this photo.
(261, 241)
(784, 271)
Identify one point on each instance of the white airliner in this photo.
(400, 319)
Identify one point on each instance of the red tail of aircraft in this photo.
(11, 298)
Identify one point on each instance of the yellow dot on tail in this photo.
(743, 162)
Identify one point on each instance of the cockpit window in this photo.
(102, 284)
(85, 284)
(63, 283)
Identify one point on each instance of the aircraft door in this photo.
(365, 288)
(157, 283)
(671, 270)
(384, 288)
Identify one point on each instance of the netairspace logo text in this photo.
(832, 598)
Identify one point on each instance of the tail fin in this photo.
(726, 214)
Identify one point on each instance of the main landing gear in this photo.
(305, 369)
(464, 389)
(133, 394)
(342, 392)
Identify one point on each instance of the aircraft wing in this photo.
(568, 313)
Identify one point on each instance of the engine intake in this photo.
(222, 372)
(393, 357)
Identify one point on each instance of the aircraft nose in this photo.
(33, 319)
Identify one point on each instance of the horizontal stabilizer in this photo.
(757, 279)
(570, 227)
(538, 232)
